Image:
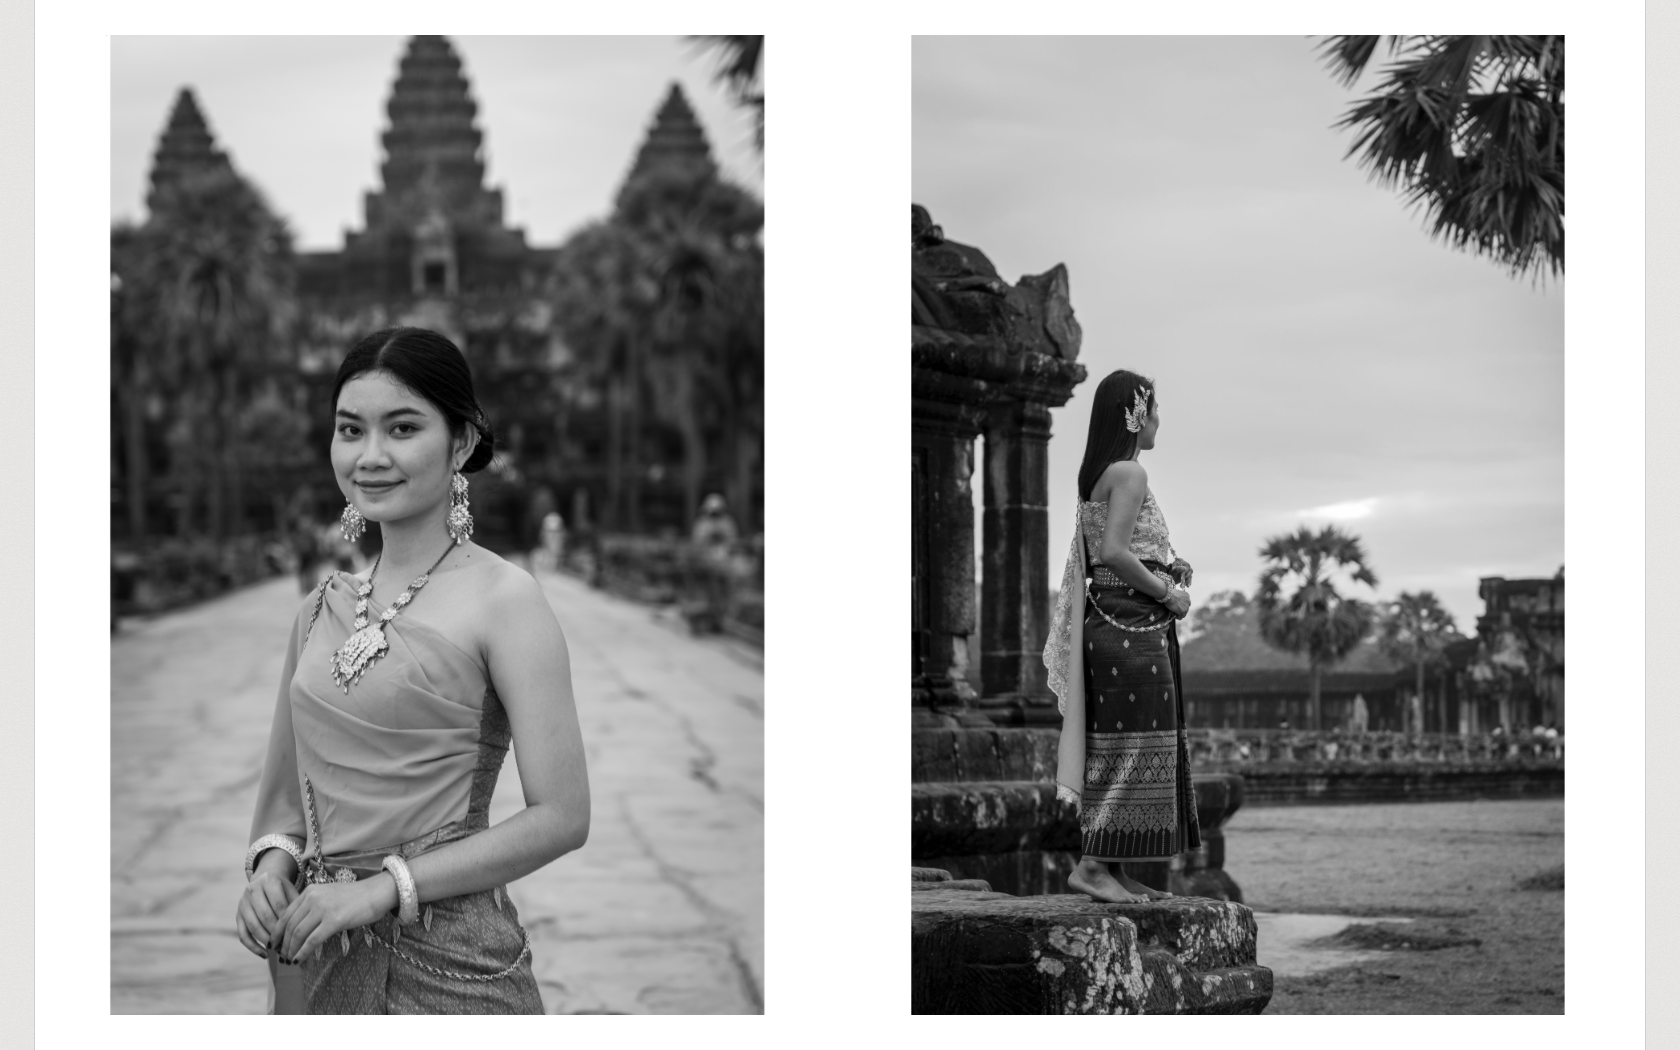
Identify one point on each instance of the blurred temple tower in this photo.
(434, 249)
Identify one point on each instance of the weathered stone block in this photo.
(974, 952)
(988, 817)
(975, 750)
(1025, 754)
(983, 754)
(1020, 872)
(1051, 310)
(973, 885)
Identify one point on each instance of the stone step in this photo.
(955, 819)
(972, 885)
(983, 754)
(1005, 816)
(977, 952)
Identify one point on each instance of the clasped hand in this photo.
(1181, 572)
(274, 915)
(1177, 602)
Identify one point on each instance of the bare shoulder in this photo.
(1123, 476)
(506, 586)
(512, 587)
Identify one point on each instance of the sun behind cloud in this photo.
(1352, 510)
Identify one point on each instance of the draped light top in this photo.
(1063, 660)
(395, 757)
(1150, 541)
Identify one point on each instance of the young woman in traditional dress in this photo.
(1113, 658)
(376, 884)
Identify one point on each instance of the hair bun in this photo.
(485, 450)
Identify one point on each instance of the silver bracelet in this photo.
(408, 898)
(290, 843)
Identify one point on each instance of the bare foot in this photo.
(1138, 888)
(1097, 882)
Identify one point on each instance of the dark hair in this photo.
(1108, 440)
(431, 366)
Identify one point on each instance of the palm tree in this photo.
(665, 301)
(603, 296)
(739, 59)
(708, 331)
(1315, 619)
(205, 287)
(1471, 128)
(131, 383)
(1417, 629)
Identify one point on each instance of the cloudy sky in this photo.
(301, 116)
(1318, 357)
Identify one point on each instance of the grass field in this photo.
(1482, 880)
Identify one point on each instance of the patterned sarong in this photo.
(432, 967)
(1137, 801)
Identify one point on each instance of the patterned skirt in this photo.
(1138, 802)
(469, 956)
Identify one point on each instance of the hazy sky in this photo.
(1317, 356)
(301, 116)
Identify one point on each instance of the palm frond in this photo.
(737, 65)
(1470, 130)
(1347, 56)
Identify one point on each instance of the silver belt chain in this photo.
(1091, 603)
(524, 951)
(315, 871)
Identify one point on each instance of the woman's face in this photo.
(1146, 436)
(392, 451)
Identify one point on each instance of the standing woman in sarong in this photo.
(1113, 658)
(376, 884)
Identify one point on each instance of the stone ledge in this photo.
(1277, 784)
(989, 817)
(978, 952)
(957, 754)
(998, 362)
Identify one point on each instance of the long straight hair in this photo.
(1108, 440)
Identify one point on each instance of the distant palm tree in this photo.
(204, 290)
(708, 330)
(603, 295)
(1470, 127)
(1314, 619)
(1417, 629)
(739, 59)
(664, 303)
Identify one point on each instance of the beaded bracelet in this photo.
(290, 843)
(408, 899)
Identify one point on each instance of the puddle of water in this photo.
(1283, 939)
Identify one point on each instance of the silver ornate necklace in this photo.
(367, 641)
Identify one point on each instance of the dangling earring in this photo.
(351, 523)
(460, 523)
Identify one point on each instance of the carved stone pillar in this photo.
(942, 554)
(988, 357)
(1014, 567)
